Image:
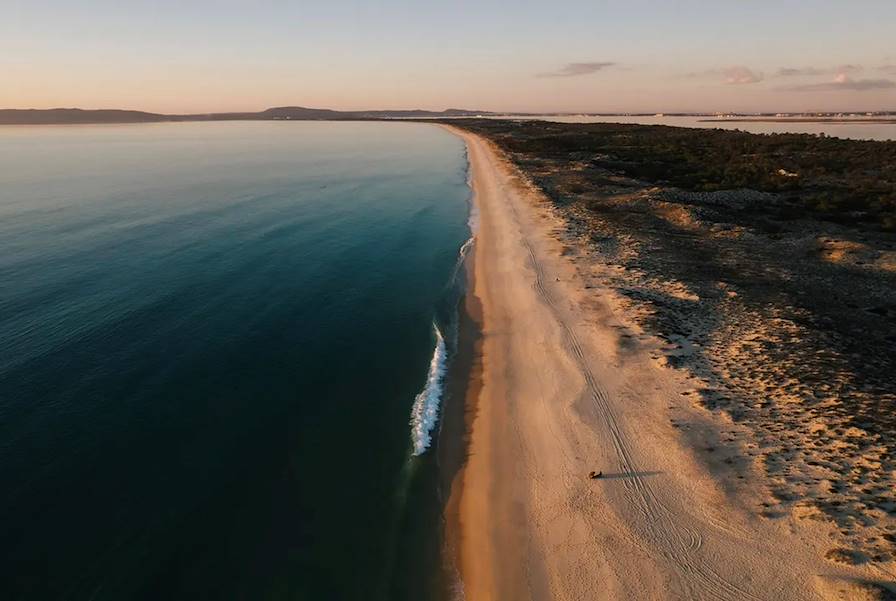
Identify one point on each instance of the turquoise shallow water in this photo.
(212, 338)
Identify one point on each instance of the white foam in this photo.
(473, 218)
(464, 250)
(461, 258)
(425, 412)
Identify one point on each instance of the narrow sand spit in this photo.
(565, 388)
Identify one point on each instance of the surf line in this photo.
(428, 402)
(425, 412)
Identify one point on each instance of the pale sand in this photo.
(565, 389)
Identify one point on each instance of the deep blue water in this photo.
(211, 338)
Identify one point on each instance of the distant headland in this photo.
(295, 113)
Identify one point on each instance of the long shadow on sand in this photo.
(626, 475)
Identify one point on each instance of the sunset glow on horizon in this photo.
(573, 56)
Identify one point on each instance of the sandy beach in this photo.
(565, 383)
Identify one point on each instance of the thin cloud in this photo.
(734, 75)
(843, 82)
(849, 69)
(816, 71)
(888, 69)
(739, 75)
(805, 71)
(576, 69)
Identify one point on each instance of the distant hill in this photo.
(294, 113)
(50, 116)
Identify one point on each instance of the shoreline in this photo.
(459, 411)
(560, 383)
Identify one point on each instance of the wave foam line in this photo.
(425, 412)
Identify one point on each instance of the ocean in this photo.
(224, 348)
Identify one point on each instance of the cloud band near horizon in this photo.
(577, 69)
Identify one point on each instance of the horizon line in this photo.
(610, 113)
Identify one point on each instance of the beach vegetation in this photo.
(816, 176)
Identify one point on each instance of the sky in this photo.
(564, 55)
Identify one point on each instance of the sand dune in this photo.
(568, 385)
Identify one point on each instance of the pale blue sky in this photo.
(242, 55)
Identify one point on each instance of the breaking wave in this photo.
(425, 412)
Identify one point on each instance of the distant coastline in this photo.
(78, 116)
(872, 120)
(72, 116)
